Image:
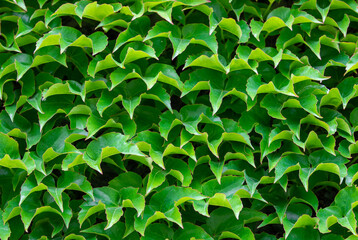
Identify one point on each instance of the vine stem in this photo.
(268, 9)
(265, 13)
(350, 163)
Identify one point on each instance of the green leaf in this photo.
(128, 179)
(191, 231)
(351, 175)
(278, 18)
(20, 63)
(212, 62)
(340, 211)
(280, 84)
(164, 205)
(163, 29)
(58, 141)
(306, 72)
(224, 194)
(130, 198)
(347, 90)
(164, 73)
(97, 11)
(194, 33)
(220, 225)
(96, 123)
(134, 51)
(120, 75)
(304, 220)
(230, 25)
(155, 142)
(158, 231)
(304, 232)
(5, 231)
(116, 230)
(134, 32)
(9, 153)
(106, 146)
(249, 134)
(49, 54)
(217, 92)
(32, 207)
(69, 181)
(105, 198)
(68, 36)
(352, 64)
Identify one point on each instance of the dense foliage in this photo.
(178, 119)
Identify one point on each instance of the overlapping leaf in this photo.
(178, 119)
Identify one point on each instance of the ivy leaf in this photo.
(69, 181)
(164, 205)
(158, 231)
(292, 222)
(32, 207)
(5, 230)
(194, 33)
(218, 225)
(190, 230)
(306, 72)
(20, 63)
(98, 229)
(68, 36)
(340, 211)
(135, 51)
(212, 62)
(96, 11)
(155, 142)
(225, 194)
(105, 198)
(58, 141)
(347, 90)
(163, 73)
(278, 18)
(133, 32)
(106, 146)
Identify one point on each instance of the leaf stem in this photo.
(350, 163)
(267, 9)
(190, 12)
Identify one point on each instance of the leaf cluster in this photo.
(178, 119)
